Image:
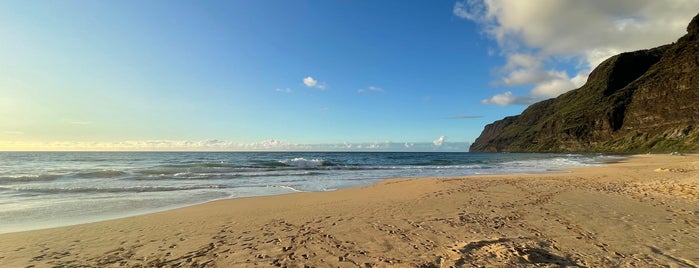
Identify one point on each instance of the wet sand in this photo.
(640, 212)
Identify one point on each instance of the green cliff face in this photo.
(643, 101)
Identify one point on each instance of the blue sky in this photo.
(247, 75)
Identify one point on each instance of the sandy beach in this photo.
(641, 212)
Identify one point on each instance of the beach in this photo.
(642, 211)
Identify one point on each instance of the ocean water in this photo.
(50, 189)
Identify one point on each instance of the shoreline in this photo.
(639, 211)
(63, 220)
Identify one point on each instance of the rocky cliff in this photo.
(639, 101)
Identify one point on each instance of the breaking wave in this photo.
(303, 163)
(137, 189)
(30, 178)
(100, 181)
(101, 174)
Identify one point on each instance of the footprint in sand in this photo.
(673, 170)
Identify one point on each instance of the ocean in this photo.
(50, 189)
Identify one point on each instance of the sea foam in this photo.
(61, 188)
(301, 162)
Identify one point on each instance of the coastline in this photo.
(641, 211)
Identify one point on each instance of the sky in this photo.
(300, 75)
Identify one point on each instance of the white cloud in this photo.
(580, 79)
(556, 84)
(519, 60)
(507, 98)
(347, 145)
(525, 77)
(537, 37)
(464, 117)
(501, 99)
(370, 89)
(469, 9)
(283, 90)
(144, 145)
(310, 82)
(222, 145)
(439, 141)
(267, 145)
(595, 56)
(374, 145)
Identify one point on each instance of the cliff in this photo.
(639, 101)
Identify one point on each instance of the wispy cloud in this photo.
(283, 90)
(536, 42)
(507, 98)
(148, 145)
(469, 9)
(221, 145)
(311, 82)
(370, 89)
(464, 117)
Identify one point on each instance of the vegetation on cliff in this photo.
(639, 101)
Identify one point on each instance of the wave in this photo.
(30, 178)
(220, 164)
(173, 169)
(163, 171)
(290, 188)
(223, 176)
(136, 189)
(303, 163)
(257, 166)
(163, 179)
(101, 174)
(550, 164)
(267, 164)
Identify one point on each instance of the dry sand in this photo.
(641, 212)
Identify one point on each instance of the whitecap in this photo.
(301, 162)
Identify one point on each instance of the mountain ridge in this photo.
(641, 101)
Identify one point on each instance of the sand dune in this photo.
(641, 212)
